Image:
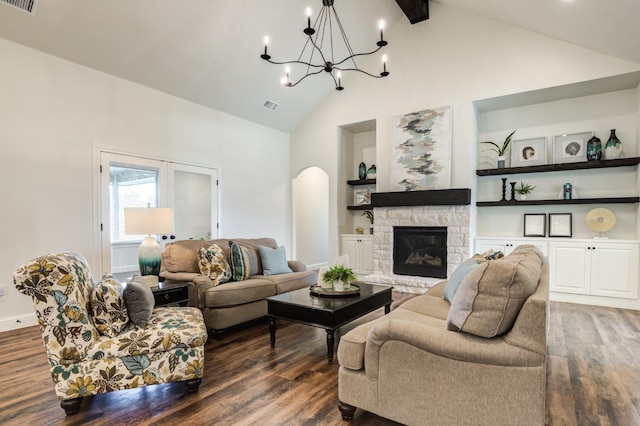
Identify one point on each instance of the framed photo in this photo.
(529, 152)
(363, 197)
(570, 148)
(560, 225)
(535, 225)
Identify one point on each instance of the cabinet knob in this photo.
(166, 297)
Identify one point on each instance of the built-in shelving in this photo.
(599, 164)
(361, 207)
(361, 182)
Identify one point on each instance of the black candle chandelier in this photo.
(316, 60)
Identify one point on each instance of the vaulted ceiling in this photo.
(207, 51)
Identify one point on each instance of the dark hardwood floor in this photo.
(593, 378)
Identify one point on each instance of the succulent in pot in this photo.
(341, 277)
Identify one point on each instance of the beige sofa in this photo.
(410, 367)
(233, 302)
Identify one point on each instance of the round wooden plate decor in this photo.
(316, 290)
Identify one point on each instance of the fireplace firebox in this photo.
(420, 251)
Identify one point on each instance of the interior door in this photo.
(193, 194)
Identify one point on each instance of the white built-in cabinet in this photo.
(359, 248)
(594, 267)
(506, 245)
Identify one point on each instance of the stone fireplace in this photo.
(420, 251)
(448, 209)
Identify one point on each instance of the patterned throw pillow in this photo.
(240, 262)
(213, 263)
(107, 304)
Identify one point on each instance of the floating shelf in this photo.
(617, 200)
(361, 182)
(361, 207)
(585, 165)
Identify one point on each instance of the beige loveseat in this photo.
(410, 367)
(233, 302)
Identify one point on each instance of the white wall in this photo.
(311, 213)
(53, 113)
(452, 59)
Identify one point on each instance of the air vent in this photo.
(270, 105)
(28, 6)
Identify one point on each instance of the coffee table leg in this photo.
(330, 342)
(272, 331)
(387, 308)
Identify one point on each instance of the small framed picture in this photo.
(363, 197)
(535, 225)
(529, 152)
(570, 148)
(560, 225)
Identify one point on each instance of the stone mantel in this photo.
(434, 197)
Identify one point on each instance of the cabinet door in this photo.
(495, 245)
(350, 248)
(366, 256)
(569, 268)
(614, 270)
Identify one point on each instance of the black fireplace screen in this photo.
(420, 251)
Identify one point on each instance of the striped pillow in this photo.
(240, 262)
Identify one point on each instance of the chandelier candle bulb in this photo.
(381, 25)
(308, 17)
(266, 43)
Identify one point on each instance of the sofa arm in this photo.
(449, 344)
(199, 284)
(297, 265)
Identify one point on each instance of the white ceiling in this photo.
(207, 51)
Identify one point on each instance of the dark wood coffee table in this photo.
(329, 313)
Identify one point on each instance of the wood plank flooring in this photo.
(593, 378)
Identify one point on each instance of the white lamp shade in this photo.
(148, 220)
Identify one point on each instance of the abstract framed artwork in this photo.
(570, 148)
(529, 152)
(362, 197)
(535, 224)
(421, 150)
(560, 225)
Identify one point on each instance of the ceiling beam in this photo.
(416, 10)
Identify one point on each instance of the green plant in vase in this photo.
(524, 189)
(501, 150)
(341, 277)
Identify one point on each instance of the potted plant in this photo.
(524, 189)
(501, 150)
(340, 276)
(369, 215)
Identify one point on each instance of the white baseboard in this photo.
(18, 321)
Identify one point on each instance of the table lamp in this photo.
(148, 221)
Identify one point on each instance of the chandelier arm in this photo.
(358, 54)
(359, 70)
(305, 76)
(295, 62)
(344, 37)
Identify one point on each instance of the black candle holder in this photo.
(504, 189)
(513, 191)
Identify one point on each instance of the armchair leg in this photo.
(193, 385)
(346, 410)
(71, 406)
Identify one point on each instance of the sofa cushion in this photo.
(213, 263)
(490, 297)
(139, 300)
(108, 307)
(292, 281)
(427, 304)
(239, 292)
(240, 262)
(274, 261)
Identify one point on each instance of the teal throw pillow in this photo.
(456, 278)
(274, 261)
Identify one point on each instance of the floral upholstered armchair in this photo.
(91, 344)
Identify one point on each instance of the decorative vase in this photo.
(371, 173)
(522, 197)
(501, 160)
(613, 148)
(338, 285)
(594, 149)
(362, 171)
